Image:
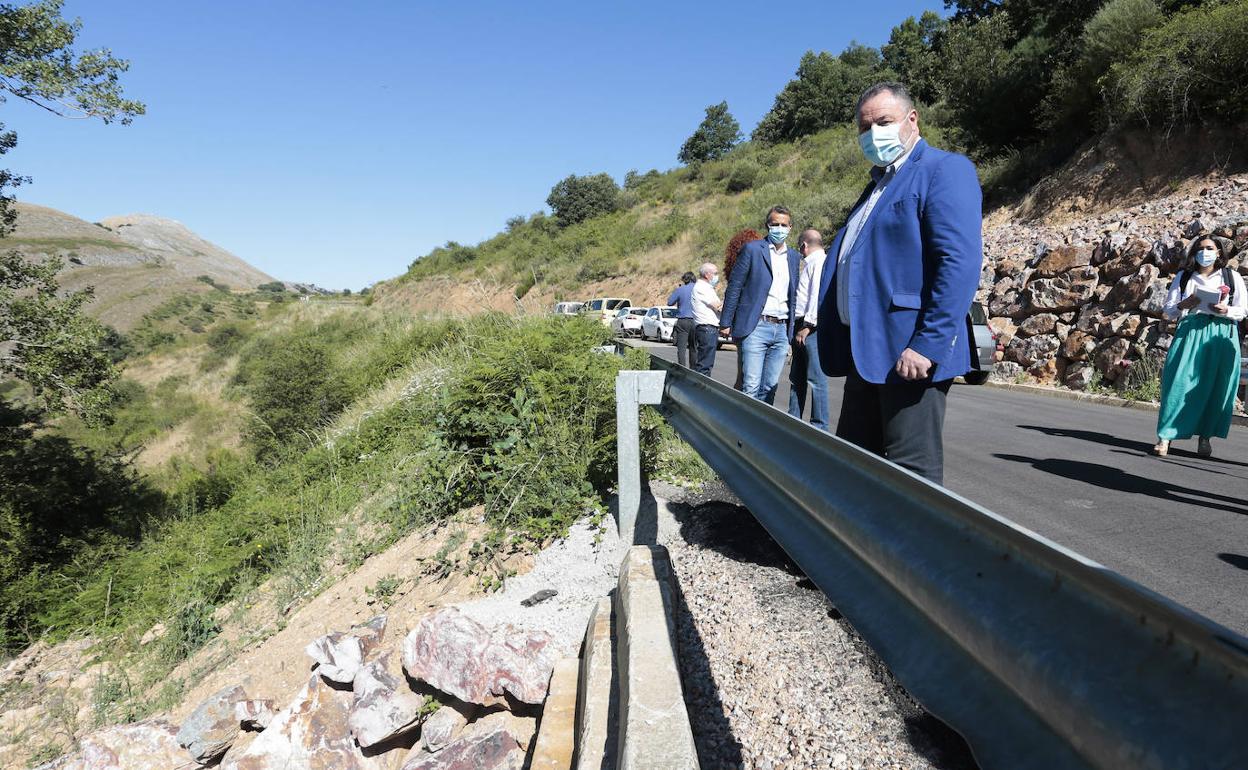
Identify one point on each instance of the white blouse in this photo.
(1210, 283)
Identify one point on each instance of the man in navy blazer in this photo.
(759, 304)
(897, 285)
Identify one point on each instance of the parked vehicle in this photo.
(658, 323)
(604, 308)
(568, 308)
(986, 343)
(627, 321)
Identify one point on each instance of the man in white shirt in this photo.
(805, 374)
(706, 307)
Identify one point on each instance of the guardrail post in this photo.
(632, 389)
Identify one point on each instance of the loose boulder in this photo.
(457, 655)
(339, 656)
(496, 749)
(384, 707)
(254, 714)
(212, 726)
(309, 734)
(441, 728)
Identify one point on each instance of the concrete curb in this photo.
(1094, 398)
(556, 736)
(597, 708)
(655, 733)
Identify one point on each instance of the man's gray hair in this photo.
(707, 269)
(898, 90)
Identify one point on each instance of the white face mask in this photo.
(1206, 257)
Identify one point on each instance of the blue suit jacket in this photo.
(913, 272)
(748, 286)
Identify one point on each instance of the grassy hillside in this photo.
(134, 263)
(668, 223)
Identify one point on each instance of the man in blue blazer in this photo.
(897, 285)
(759, 303)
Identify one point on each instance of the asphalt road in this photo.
(1080, 474)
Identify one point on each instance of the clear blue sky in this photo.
(334, 142)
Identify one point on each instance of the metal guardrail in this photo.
(1038, 656)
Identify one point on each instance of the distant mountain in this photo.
(135, 262)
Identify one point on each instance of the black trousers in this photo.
(682, 335)
(903, 422)
(706, 338)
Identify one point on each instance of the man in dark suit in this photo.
(758, 306)
(897, 286)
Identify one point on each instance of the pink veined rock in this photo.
(149, 745)
(441, 728)
(254, 714)
(459, 656)
(309, 734)
(492, 750)
(340, 655)
(384, 705)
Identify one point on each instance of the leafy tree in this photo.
(45, 340)
(277, 287)
(578, 198)
(712, 139)
(824, 93)
(910, 52)
(992, 87)
(1113, 34)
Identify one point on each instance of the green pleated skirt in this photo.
(1200, 378)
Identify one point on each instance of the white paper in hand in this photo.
(1208, 297)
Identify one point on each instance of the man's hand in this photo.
(913, 366)
(802, 334)
(1221, 308)
(1189, 303)
(725, 331)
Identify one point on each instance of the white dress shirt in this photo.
(808, 287)
(777, 304)
(853, 228)
(705, 300)
(1209, 283)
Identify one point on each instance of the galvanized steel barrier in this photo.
(1039, 657)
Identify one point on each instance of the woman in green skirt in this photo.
(1201, 374)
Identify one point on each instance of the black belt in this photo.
(775, 319)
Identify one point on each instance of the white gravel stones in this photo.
(580, 568)
(773, 678)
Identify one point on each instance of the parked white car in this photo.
(627, 321)
(568, 308)
(658, 323)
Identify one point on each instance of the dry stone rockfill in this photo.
(149, 745)
(459, 656)
(384, 706)
(1113, 269)
(339, 656)
(212, 726)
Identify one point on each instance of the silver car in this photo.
(985, 344)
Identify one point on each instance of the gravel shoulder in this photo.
(774, 676)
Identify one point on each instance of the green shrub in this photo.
(293, 391)
(578, 198)
(741, 177)
(1193, 67)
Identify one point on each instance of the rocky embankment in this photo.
(453, 693)
(1080, 303)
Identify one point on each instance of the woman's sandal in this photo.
(1160, 449)
(1203, 447)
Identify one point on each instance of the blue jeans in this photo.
(805, 375)
(762, 360)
